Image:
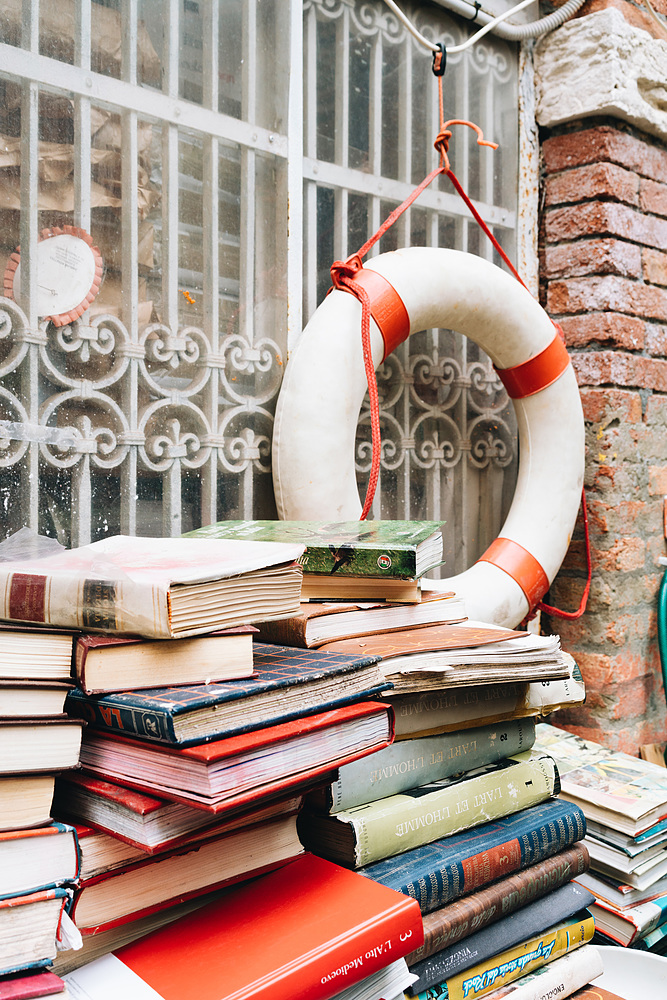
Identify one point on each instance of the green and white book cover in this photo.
(401, 550)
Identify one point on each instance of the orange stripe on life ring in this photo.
(536, 374)
(387, 308)
(521, 565)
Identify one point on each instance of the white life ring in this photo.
(324, 385)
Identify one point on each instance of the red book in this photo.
(264, 763)
(26, 985)
(308, 930)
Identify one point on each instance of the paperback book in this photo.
(570, 975)
(25, 800)
(29, 984)
(377, 830)
(161, 588)
(624, 792)
(287, 684)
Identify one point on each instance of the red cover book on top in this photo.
(308, 930)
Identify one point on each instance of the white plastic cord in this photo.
(510, 32)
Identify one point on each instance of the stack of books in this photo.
(624, 799)
(38, 858)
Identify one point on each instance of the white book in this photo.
(560, 978)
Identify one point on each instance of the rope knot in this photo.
(341, 269)
(442, 145)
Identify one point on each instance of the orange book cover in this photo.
(309, 930)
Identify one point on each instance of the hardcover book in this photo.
(133, 891)
(320, 587)
(624, 792)
(563, 977)
(376, 830)
(399, 550)
(310, 929)
(534, 918)
(41, 654)
(515, 962)
(459, 919)
(317, 623)
(37, 859)
(161, 588)
(453, 655)
(31, 745)
(241, 770)
(128, 663)
(29, 928)
(410, 763)
(25, 800)
(30, 699)
(627, 924)
(287, 683)
(29, 984)
(447, 869)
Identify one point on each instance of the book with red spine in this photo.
(38, 858)
(274, 760)
(309, 929)
(30, 984)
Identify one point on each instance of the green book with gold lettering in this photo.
(363, 834)
(394, 550)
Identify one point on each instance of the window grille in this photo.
(219, 188)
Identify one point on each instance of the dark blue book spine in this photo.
(446, 869)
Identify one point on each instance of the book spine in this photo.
(410, 763)
(77, 601)
(395, 825)
(434, 712)
(515, 962)
(447, 874)
(560, 978)
(466, 916)
(151, 724)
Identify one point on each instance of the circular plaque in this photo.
(69, 274)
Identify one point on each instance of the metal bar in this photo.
(295, 195)
(128, 56)
(342, 130)
(529, 172)
(170, 227)
(375, 137)
(148, 103)
(129, 308)
(310, 149)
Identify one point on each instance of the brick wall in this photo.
(603, 266)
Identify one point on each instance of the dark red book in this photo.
(308, 930)
(242, 770)
(26, 985)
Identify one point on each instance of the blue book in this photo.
(446, 869)
(287, 683)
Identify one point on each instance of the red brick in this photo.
(624, 556)
(596, 180)
(654, 266)
(566, 260)
(600, 367)
(657, 480)
(603, 405)
(606, 293)
(633, 698)
(609, 328)
(604, 218)
(600, 144)
(656, 339)
(652, 197)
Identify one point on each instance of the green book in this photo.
(397, 550)
(363, 834)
